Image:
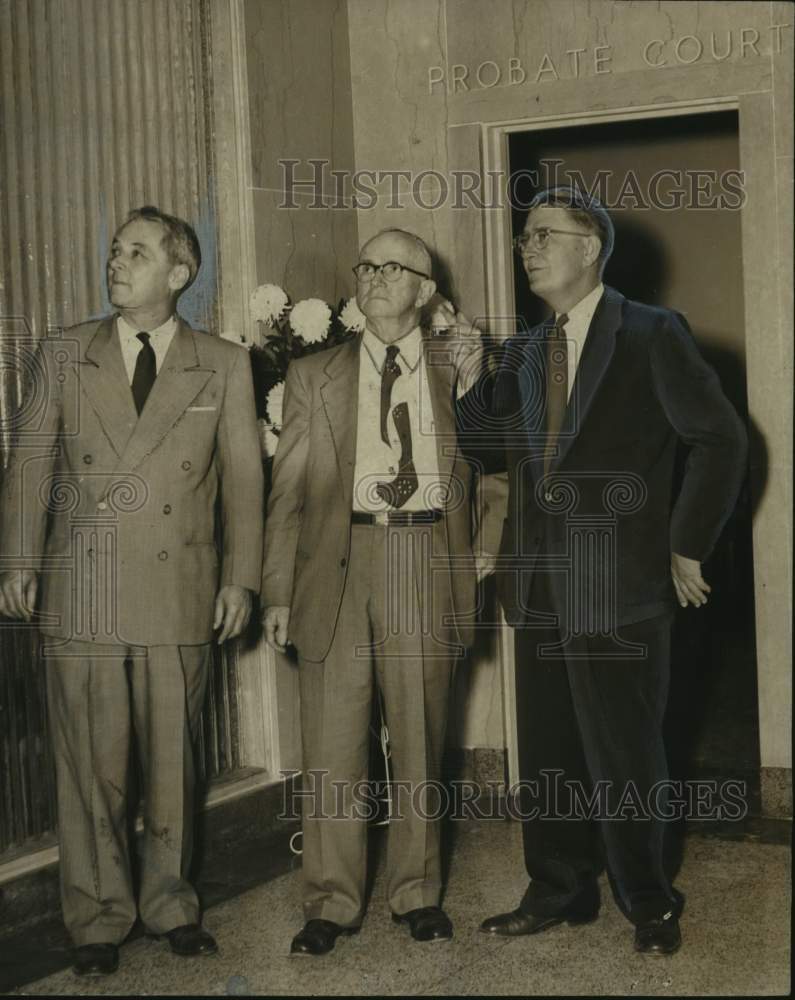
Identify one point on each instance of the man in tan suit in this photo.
(369, 572)
(109, 514)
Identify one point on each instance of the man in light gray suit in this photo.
(108, 538)
(370, 573)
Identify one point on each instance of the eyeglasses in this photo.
(539, 238)
(391, 270)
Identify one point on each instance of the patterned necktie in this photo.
(405, 483)
(145, 372)
(557, 387)
(389, 374)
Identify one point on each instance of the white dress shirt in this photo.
(576, 329)
(160, 339)
(378, 462)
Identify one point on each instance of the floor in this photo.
(736, 934)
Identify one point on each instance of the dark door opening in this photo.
(678, 244)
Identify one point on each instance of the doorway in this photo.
(678, 245)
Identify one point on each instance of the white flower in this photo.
(310, 320)
(268, 439)
(274, 404)
(267, 303)
(352, 316)
(440, 320)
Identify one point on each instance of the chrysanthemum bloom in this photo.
(274, 404)
(267, 303)
(310, 320)
(352, 316)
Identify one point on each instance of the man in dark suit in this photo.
(369, 572)
(137, 425)
(589, 409)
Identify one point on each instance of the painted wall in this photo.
(300, 109)
(578, 59)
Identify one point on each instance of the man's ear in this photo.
(425, 293)
(593, 247)
(178, 277)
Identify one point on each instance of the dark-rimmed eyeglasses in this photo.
(391, 270)
(539, 238)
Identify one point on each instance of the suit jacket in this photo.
(117, 512)
(308, 533)
(605, 515)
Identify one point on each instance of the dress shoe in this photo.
(427, 923)
(658, 937)
(96, 959)
(318, 937)
(190, 940)
(517, 922)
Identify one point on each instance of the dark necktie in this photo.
(389, 374)
(405, 483)
(145, 372)
(557, 387)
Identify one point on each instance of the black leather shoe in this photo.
(517, 922)
(95, 959)
(318, 937)
(658, 937)
(190, 940)
(427, 923)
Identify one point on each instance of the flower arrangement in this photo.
(290, 331)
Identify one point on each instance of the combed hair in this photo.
(179, 239)
(417, 240)
(586, 209)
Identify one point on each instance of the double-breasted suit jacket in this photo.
(309, 509)
(117, 512)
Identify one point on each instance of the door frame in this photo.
(500, 297)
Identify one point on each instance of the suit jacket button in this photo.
(343, 562)
(162, 556)
(88, 459)
(167, 509)
(186, 465)
(102, 505)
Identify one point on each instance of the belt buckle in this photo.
(381, 517)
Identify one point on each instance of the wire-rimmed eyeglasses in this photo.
(539, 238)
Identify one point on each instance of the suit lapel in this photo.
(532, 395)
(103, 378)
(440, 373)
(596, 356)
(181, 378)
(340, 395)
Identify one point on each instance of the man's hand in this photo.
(276, 620)
(18, 589)
(469, 354)
(232, 611)
(691, 588)
(485, 565)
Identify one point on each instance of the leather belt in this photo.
(397, 518)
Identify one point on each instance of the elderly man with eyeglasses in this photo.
(370, 574)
